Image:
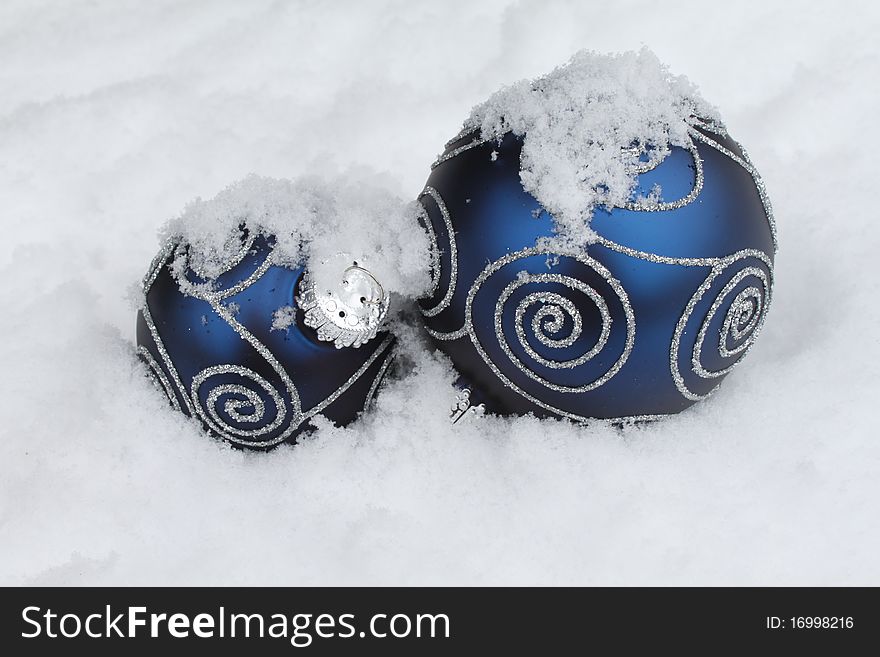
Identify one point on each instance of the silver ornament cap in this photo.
(349, 313)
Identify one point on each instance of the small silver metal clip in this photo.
(462, 408)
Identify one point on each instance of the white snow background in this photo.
(114, 114)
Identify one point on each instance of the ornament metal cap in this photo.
(348, 314)
(464, 408)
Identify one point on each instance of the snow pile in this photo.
(114, 114)
(323, 224)
(587, 127)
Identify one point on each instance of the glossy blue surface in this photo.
(492, 216)
(196, 337)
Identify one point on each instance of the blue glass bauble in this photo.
(645, 322)
(218, 357)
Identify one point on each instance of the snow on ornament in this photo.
(248, 325)
(601, 247)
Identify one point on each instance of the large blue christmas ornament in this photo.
(260, 351)
(644, 323)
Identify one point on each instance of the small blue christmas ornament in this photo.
(665, 297)
(258, 350)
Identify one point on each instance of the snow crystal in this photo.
(587, 126)
(283, 318)
(322, 224)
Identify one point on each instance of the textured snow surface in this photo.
(114, 115)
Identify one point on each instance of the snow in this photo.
(588, 127)
(322, 223)
(114, 115)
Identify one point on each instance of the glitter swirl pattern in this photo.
(646, 205)
(226, 405)
(557, 308)
(553, 305)
(744, 317)
(435, 257)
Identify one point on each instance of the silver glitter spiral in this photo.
(744, 311)
(648, 205)
(228, 403)
(555, 307)
(741, 320)
(212, 291)
(555, 297)
(436, 248)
